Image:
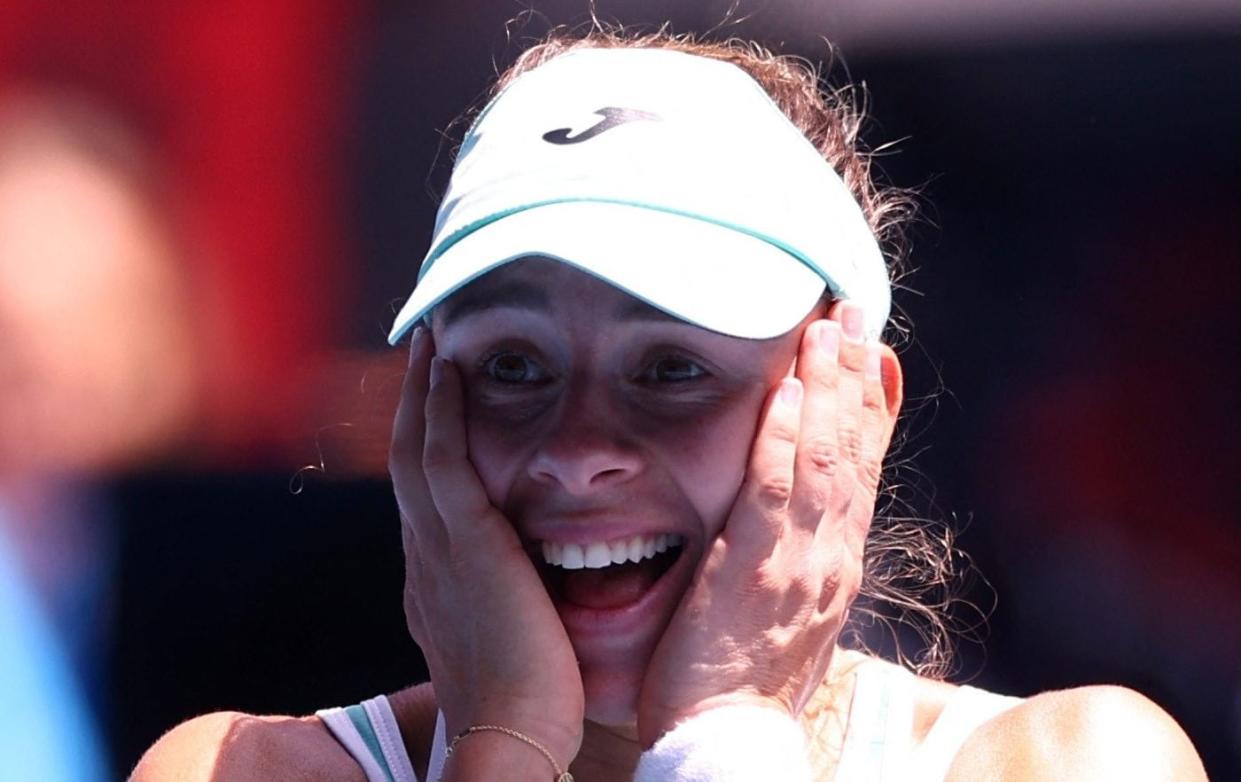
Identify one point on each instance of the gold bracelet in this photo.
(561, 776)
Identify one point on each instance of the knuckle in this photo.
(761, 583)
(873, 401)
(399, 461)
(853, 356)
(436, 457)
(465, 555)
(823, 456)
(850, 440)
(801, 590)
(827, 378)
(833, 580)
(400, 449)
(784, 434)
(774, 490)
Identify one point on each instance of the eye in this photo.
(672, 369)
(513, 369)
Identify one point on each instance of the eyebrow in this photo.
(515, 294)
(476, 299)
(636, 309)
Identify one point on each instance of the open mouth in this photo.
(605, 575)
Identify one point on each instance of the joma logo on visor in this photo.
(612, 117)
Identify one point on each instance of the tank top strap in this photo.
(439, 749)
(370, 734)
(877, 735)
(878, 738)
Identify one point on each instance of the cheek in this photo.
(706, 457)
(497, 449)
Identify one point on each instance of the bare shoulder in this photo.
(1086, 733)
(238, 747)
(229, 745)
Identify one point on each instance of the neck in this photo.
(608, 752)
(826, 716)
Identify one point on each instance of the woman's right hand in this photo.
(496, 649)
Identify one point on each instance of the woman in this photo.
(637, 456)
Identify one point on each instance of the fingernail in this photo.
(437, 371)
(829, 340)
(851, 321)
(790, 391)
(415, 343)
(874, 361)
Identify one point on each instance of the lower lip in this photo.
(619, 627)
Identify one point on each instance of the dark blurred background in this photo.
(208, 213)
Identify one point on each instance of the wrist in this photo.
(486, 754)
(488, 750)
(562, 739)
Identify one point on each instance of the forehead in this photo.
(546, 286)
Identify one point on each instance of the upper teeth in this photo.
(574, 556)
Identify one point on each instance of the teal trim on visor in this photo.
(470, 228)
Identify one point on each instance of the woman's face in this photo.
(600, 425)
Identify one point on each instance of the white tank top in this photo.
(879, 733)
(877, 746)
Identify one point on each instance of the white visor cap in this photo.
(670, 176)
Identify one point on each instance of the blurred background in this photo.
(210, 211)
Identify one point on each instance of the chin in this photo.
(612, 695)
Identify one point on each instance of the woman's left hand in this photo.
(760, 621)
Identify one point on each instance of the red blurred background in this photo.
(243, 105)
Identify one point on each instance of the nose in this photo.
(586, 449)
